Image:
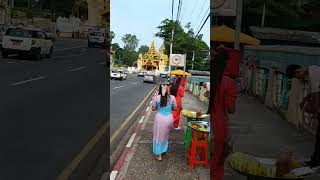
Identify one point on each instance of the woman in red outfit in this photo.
(177, 90)
(223, 96)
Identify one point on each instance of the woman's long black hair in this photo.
(163, 99)
(175, 87)
(217, 67)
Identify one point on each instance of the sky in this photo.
(142, 17)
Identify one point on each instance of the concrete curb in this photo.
(117, 167)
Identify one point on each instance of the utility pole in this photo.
(172, 33)
(238, 24)
(192, 60)
(263, 15)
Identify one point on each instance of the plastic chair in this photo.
(198, 146)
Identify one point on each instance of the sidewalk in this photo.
(258, 131)
(254, 128)
(141, 164)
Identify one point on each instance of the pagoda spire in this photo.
(152, 48)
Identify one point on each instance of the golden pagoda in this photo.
(153, 60)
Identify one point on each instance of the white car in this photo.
(97, 37)
(117, 74)
(26, 41)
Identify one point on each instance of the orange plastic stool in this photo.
(198, 141)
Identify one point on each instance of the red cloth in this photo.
(225, 97)
(182, 82)
(176, 114)
(233, 62)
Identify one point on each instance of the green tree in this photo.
(185, 42)
(143, 49)
(118, 53)
(130, 42)
(112, 35)
(129, 57)
(129, 49)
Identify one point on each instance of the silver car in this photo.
(149, 78)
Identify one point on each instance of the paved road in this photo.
(50, 109)
(125, 96)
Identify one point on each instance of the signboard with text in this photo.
(177, 60)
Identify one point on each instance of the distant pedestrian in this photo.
(311, 104)
(223, 96)
(164, 104)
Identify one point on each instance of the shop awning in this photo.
(227, 34)
(179, 72)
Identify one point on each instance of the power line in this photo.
(205, 14)
(172, 9)
(201, 9)
(203, 24)
(178, 11)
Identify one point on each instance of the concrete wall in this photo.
(279, 93)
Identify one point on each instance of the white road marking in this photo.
(134, 83)
(141, 120)
(113, 175)
(77, 69)
(71, 55)
(77, 47)
(131, 140)
(118, 87)
(103, 63)
(29, 80)
(11, 62)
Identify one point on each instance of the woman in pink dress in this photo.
(164, 104)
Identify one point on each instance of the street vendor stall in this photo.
(257, 168)
(196, 141)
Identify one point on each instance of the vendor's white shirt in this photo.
(208, 86)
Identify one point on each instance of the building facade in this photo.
(96, 9)
(153, 60)
(5, 12)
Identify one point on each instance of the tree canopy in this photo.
(185, 42)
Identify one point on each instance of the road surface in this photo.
(50, 109)
(125, 96)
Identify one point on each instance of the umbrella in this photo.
(226, 34)
(179, 72)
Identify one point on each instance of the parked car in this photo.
(164, 76)
(97, 37)
(118, 74)
(26, 41)
(50, 35)
(142, 73)
(149, 78)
